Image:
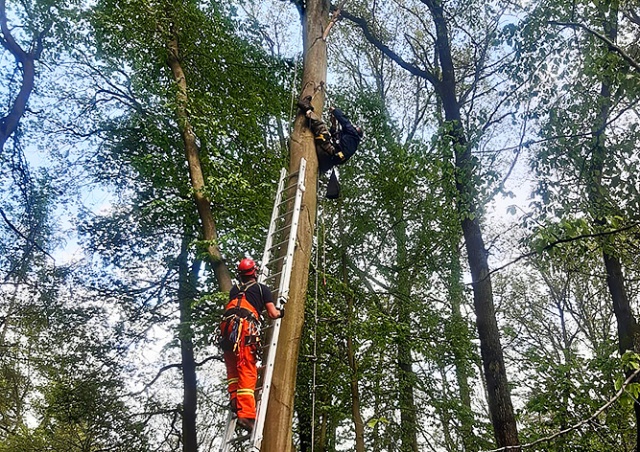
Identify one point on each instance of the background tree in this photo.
(588, 155)
(458, 81)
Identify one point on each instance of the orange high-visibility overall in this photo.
(240, 337)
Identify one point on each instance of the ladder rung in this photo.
(284, 242)
(273, 276)
(275, 260)
(285, 200)
(283, 215)
(277, 231)
(289, 187)
(239, 439)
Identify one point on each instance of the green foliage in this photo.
(394, 313)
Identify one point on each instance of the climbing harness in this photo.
(238, 312)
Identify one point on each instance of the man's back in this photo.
(256, 294)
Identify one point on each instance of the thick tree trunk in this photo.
(195, 168)
(186, 294)
(280, 412)
(500, 406)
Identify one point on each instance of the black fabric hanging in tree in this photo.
(333, 188)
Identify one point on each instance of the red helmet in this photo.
(247, 267)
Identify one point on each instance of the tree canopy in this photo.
(474, 288)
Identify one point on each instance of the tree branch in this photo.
(160, 372)
(377, 43)
(560, 241)
(174, 366)
(576, 426)
(612, 46)
(21, 235)
(335, 17)
(7, 40)
(26, 61)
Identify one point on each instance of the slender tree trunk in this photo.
(500, 406)
(186, 294)
(444, 411)
(351, 355)
(628, 330)
(304, 421)
(192, 153)
(322, 433)
(461, 348)
(280, 410)
(406, 375)
(378, 445)
(358, 423)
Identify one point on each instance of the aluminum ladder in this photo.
(277, 263)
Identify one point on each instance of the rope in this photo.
(294, 83)
(315, 333)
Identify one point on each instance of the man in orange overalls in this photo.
(240, 330)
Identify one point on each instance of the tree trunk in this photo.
(358, 423)
(186, 293)
(304, 423)
(460, 348)
(628, 330)
(280, 410)
(444, 82)
(500, 406)
(25, 61)
(192, 153)
(406, 375)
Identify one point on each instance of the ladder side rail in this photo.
(257, 435)
(227, 440)
(266, 256)
(293, 236)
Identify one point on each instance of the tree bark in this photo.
(186, 294)
(280, 411)
(192, 154)
(26, 62)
